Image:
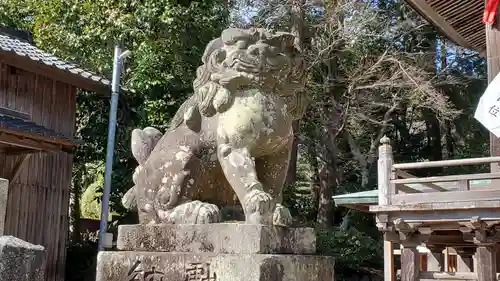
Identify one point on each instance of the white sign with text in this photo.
(488, 109)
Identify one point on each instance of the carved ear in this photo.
(129, 199)
(212, 46)
(143, 142)
(154, 135)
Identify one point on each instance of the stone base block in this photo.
(161, 266)
(230, 238)
(20, 260)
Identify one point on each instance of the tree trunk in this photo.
(297, 13)
(291, 174)
(332, 127)
(327, 185)
(315, 179)
(450, 153)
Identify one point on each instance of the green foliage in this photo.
(167, 39)
(299, 201)
(90, 203)
(351, 249)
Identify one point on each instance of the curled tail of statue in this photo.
(143, 143)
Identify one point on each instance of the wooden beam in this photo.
(362, 208)
(446, 239)
(35, 137)
(16, 142)
(440, 206)
(13, 151)
(445, 197)
(39, 68)
(447, 217)
(406, 175)
(17, 168)
(28, 143)
(469, 177)
(438, 21)
(447, 163)
(432, 275)
(407, 189)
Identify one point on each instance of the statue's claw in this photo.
(282, 216)
(129, 200)
(194, 212)
(258, 207)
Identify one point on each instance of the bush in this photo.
(81, 258)
(354, 252)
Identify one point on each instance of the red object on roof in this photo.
(490, 11)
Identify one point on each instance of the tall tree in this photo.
(167, 39)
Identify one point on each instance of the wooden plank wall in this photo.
(37, 209)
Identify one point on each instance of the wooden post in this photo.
(493, 64)
(410, 263)
(385, 162)
(446, 259)
(474, 262)
(4, 194)
(388, 260)
(384, 198)
(486, 262)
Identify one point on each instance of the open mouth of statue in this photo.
(254, 65)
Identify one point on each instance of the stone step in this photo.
(162, 266)
(230, 238)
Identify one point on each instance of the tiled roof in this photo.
(27, 127)
(10, 43)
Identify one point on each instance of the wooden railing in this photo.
(448, 276)
(398, 187)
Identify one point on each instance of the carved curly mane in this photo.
(201, 100)
(206, 89)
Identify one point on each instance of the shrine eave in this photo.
(459, 20)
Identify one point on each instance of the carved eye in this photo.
(241, 44)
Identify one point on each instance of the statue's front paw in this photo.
(258, 207)
(282, 216)
(208, 213)
(195, 212)
(129, 200)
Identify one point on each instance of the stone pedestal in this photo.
(20, 260)
(215, 252)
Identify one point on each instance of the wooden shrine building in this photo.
(457, 213)
(37, 124)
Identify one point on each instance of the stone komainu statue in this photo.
(232, 136)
